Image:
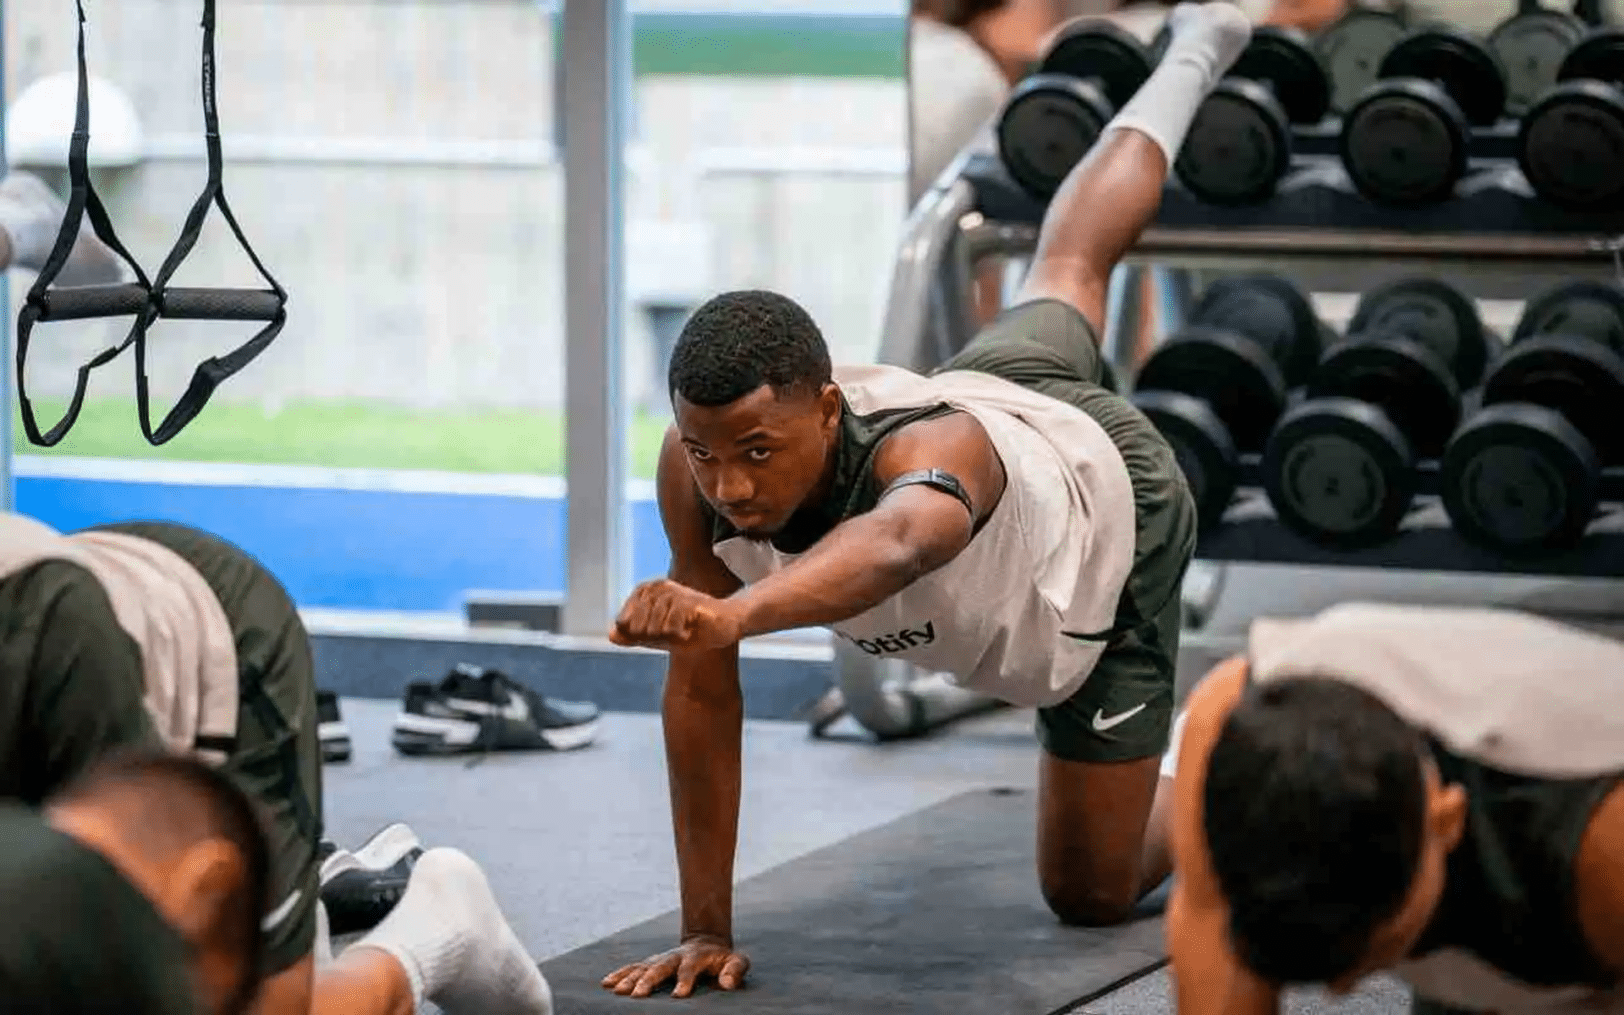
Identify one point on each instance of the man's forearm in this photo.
(703, 733)
(854, 568)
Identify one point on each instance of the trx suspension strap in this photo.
(147, 301)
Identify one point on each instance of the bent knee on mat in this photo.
(1089, 906)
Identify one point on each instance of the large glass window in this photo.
(770, 152)
(391, 162)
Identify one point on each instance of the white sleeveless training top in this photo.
(1049, 563)
(1510, 690)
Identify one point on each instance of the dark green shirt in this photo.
(1509, 894)
(71, 686)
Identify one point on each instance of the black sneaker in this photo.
(359, 889)
(335, 736)
(475, 710)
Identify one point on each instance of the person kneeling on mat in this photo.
(1434, 792)
(153, 635)
(1006, 519)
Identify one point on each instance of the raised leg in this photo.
(1113, 193)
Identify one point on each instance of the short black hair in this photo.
(173, 801)
(1314, 807)
(738, 341)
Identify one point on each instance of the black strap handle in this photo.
(148, 302)
(174, 303)
(1589, 11)
(194, 304)
(36, 306)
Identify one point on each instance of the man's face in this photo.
(1396, 939)
(757, 460)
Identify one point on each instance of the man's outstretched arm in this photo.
(1112, 195)
(861, 562)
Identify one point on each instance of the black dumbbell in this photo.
(1340, 467)
(1523, 473)
(1571, 142)
(1405, 140)
(1053, 118)
(1239, 145)
(1215, 388)
(1352, 49)
(1531, 45)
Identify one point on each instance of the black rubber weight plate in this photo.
(1518, 478)
(1282, 58)
(1571, 146)
(1238, 147)
(1339, 473)
(1353, 48)
(1575, 376)
(1271, 310)
(1432, 312)
(1531, 48)
(1410, 384)
(1460, 64)
(1228, 372)
(1100, 50)
(1582, 307)
(1202, 446)
(1599, 56)
(1405, 144)
(1047, 126)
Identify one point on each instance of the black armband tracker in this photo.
(936, 478)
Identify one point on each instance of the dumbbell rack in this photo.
(1494, 233)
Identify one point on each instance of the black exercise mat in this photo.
(936, 912)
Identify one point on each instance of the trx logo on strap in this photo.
(148, 301)
(902, 641)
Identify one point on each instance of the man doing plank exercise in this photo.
(1006, 520)
(1435, 792)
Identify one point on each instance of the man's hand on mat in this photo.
(664, 614)
(694, 958)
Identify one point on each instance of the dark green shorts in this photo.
(1124, 710)
(277, 760)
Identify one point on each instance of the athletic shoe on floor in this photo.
(335, 736)
(477, 710)
(359, 889)
(31, 216)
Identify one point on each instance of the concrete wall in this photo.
(390, 163)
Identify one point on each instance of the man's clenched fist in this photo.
(663, 614)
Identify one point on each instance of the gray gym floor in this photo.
(578, 846)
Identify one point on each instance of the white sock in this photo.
(324, 938)
(1170, 760)
(31, 215)
(1207, 39)
(456, 947)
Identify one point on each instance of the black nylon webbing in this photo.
(146, 299)
(82, 198)
(208, 375)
